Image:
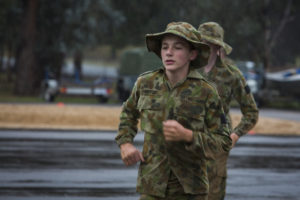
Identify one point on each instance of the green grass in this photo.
(19, 99)
(287, 104)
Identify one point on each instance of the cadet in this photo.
(181, 116)
(230, 84)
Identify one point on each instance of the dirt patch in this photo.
(61, 116)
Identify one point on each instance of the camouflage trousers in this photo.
(174, 192)
(217, 189)
(217, 175)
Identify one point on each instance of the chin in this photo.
(170, 68)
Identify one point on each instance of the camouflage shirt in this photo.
(194, 103)
(231, 84)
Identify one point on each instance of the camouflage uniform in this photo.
(195, 105)
(174, 167)
(230, 84)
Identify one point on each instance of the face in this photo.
(214, 49)
(222, 53)
(176, 53)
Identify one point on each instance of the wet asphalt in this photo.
(84, 165)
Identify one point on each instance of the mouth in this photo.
(169, 62)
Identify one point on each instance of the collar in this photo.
(193, 73)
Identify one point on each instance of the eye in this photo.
(164, 47)
(178, 46)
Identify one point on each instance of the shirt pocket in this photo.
(151, 108)
(151, 112)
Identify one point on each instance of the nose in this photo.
(169, 51)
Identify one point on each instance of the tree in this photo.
(10, 18)
(53, 29)
(26, 60)
(272, 33)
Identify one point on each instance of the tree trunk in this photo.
(26, 80)
(271, 36)
(9, 65)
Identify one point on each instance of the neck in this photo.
(175, 77)
(211, 62)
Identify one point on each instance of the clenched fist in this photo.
(174, 131)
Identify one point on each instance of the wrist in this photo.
(234, 135)
(188, 136)
(124, 145)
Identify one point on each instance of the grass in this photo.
(285, 103)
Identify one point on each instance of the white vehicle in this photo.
(100, 89)
(286, 82)
(95, 82)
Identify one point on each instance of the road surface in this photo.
(74, 165)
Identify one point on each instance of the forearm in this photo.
(127, 128)
(128, 120)
(209, 144)
(248, 121)
(248, 108)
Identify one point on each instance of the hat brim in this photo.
(153, 42)
(225, 46)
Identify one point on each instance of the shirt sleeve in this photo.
(129, 118)
(248, 107)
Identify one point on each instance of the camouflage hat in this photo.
(214, 33)
(183, 30)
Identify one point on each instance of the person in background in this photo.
(181, 116)
(231, 85)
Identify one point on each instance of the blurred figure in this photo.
(231, 85)
(77, 66)
(123, 93)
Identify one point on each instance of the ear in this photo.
(194, 54)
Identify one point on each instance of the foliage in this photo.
(254, 28)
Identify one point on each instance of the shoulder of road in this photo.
(106, 117)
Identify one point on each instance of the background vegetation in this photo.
(37, 35)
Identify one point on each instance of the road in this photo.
(55, 165)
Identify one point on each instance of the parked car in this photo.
(286, 82)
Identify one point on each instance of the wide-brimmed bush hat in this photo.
(183, 30)
(214, 33)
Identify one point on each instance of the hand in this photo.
(234, 137)
(130, 155)
(173, 131)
